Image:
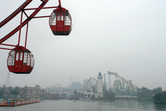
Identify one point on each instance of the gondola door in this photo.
(18, 61)
(60, 21)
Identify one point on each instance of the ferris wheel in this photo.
(90, 85)
(20, 59)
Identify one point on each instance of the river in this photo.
(71, 105)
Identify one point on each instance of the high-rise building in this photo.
(76, 85)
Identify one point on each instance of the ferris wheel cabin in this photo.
(20, 60)
(60, 22)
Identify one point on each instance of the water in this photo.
(71, 105)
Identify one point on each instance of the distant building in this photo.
(76, 85)
(33, 92)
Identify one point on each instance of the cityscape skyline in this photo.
(127, 37)
(78, 84)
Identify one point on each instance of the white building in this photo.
(99, 86)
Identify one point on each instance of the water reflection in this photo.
(71, 105)
(160, 107)
(133, 105)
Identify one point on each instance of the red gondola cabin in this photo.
(60, 22)
(20, 60)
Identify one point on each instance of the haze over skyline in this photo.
(123, 36)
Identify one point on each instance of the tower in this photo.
(8, 80)
(99, 85)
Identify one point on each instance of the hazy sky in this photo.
(123, 36)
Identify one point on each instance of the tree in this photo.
(157, 90)
(160, 97)
(15, 91)
(109, 95)
(145, 93)
(1, 93)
